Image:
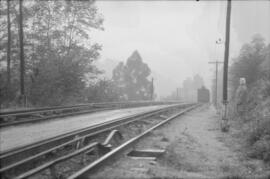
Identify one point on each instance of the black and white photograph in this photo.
(131, 89)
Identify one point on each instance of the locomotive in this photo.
(203, 95)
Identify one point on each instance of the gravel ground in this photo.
(18, 136)
(195, 148)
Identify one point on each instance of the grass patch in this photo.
(253, 126)
(259, 140)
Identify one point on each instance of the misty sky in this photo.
(177, 38)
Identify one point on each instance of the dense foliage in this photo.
(58, 50)
(253, 63)
(132, 79)
(59, 57)
(188, 91)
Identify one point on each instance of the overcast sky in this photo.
(177, 38)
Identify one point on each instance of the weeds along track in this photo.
(64, 155)
(11, 118)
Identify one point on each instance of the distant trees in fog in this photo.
(103, 90)
(190, 87)
(59, 56)
(131, 78)
(130, 81)
(188, 91)
(253, 63)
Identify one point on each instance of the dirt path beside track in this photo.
(195, 148)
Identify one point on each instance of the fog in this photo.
(176, 38)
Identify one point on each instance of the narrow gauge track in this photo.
(12, 160)
(11, 118)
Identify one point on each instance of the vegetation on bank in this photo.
(253, 124)
(60, 56)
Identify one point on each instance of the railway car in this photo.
(203, 95)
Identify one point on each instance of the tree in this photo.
(8, 45)
(9, 51)
(64, 40)
(103, 90)
(22, 63)
(57, 48)
(190, 87)
(197, 82)
(265, 65)
(132, 78)
(247, 64)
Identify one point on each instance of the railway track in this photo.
(86, 171)
(16, 117)
(41, 159)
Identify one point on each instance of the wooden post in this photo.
(22, 63)
(225, 68)
(8, 47)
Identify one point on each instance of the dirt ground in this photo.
(195, 148)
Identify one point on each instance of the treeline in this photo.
(130, 82)
(253, 63)
(59, 54)
(188, 90)
(253, 122)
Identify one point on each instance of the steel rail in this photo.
(81, 109)
(24, 121)
(61, 159)
(93, 129)
(35, 110)
(72, 133)
(84, 173)
(58, 160)
(48, 109)
(31, 158)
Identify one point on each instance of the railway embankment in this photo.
(195, 147)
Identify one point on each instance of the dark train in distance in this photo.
(203, 95)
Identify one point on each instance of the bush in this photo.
(259, 140)
(253, 125)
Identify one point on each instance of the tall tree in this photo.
(63, 55)
(132, 78)
(22, 63)
(248, 63)
(102, 91)
(51, 50)
(8, 46)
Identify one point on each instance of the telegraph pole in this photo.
(216, 92)
(177, 93)
(8, 48)
(22, 63)
(226, 62)
(152, 89)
